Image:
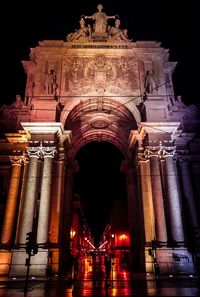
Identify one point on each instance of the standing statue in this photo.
(50, 84)
(150, 83)
(100, 18)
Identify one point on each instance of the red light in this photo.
(123, 237)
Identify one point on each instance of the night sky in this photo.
(174, 23)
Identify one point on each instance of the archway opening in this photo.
(100, 185)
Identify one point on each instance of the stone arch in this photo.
(99, 119)
(118, 101)
(96, 136)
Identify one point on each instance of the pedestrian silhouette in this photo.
(107, 264)
(76, 268)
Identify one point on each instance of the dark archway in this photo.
(99, 183)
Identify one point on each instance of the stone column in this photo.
(146, 193)
(11, 203)
(21, 204)
(188, 191)
(134, 217)
(160, 223)
(71, 167)
(30, 194)
(43, 219)
(58, 191)
(173, 197)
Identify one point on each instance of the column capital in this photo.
(17, 160)
(48, 152)
(34, 152)
(168, 151)
(142, 155)
(41, 149)
(153, 151)
(183, 160)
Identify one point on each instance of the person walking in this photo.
(107, 264)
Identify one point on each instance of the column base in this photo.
(38, 266)
(174, 260)
(148, 261)
(5, 259)
(54, 260)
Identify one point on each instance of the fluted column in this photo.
(160, 222)
(22, 194)
(43, 220)
(11, 203)
(173, 197)
(146, 193)
(30, 194)
(188, 191)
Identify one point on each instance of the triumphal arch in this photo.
(98, 85)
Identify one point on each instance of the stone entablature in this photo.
(74, 59)
(60, 72)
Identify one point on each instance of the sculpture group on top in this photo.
(100, 30)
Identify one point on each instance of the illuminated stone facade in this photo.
(100, 86)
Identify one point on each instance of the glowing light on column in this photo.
(72, 233)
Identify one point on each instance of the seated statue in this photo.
(191, 112)
(17, 104)
(117, 33)
(82, 33)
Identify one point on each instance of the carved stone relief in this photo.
(100, 74)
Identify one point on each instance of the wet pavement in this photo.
(91, 282)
